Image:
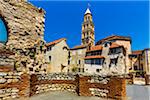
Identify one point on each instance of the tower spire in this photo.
(88, 9)
(88, 37)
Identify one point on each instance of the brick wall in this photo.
(14, 85)
(18, 84)
(112, 87)
(52, 82)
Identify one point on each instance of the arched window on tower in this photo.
(3, 32)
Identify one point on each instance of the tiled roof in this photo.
(94, 57)
(115, 45)
(95, 48)
(114, 37)
(137, 52)
(55, 42)
(79, 47)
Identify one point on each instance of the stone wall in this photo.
(25, 28)
(83, 85)
(110, 87)
(52, 82)
(14, 85)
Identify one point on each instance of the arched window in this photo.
(3, 32)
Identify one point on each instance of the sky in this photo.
(125, 18)
(3, 32)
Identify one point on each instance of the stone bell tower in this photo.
(88, 37)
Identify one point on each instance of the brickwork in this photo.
(112, 87)
(14, 85)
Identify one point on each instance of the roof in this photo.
(114, 37)
(95, 48)
(94, 57)
(55, 42)
(137, 52)
(87, 11)
(79, 47)
(115, 45)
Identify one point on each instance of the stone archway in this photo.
(3, 29)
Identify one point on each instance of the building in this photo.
(91, 58)
(140, 63)
(76, 58)
(107, 58)
(125, 41)
(88, 36)
(57, 55)
(77, 53)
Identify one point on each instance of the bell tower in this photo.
(88, 37)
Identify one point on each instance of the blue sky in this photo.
(127, 18)
(3, 32)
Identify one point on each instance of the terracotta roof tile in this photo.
(115, 45)
(79, 47)
(94, 57)
(114, 37)
(137, 52)
(55, 42)
(95, 48)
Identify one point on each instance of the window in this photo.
(113, 61)
(49, 48)
(49, 58)
(68, 62)
(3, 32)
(89, 17)
(115, 51)
(79, 62)
(135, 67)
(105, 45)
(79, 69)
(97, 70)
(94, 61)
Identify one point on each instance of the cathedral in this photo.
(107, 56)
(110, 55)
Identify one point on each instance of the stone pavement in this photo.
(134, 92)
(63, 95)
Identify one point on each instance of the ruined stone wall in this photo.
(25, 26)
(14, 85)
(52, 82)
(83, 85)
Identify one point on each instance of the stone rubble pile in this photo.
(99, 92)
(9, 77)
(57, 76)
(99, 79)
(9, 93)
(55, 87)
